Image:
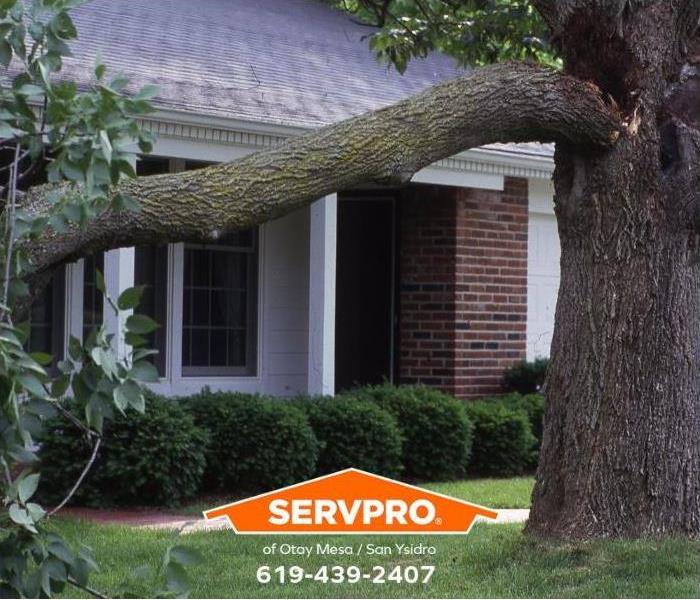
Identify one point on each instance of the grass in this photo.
(492, 561)
(514, 492)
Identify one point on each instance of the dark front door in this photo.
(364, 291)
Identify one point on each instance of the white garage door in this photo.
(543, 269)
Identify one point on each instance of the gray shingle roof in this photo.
(288, 62)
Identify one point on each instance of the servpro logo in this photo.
(351, 501)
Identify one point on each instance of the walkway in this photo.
(188, 524)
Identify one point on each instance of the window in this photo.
(47, 319)
(151, 272)
(220, 307)
(92, 297)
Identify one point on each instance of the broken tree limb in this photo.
(499, 103)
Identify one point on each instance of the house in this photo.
(444, 281)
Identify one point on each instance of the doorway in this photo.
(365, 290)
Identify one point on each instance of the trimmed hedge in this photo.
(354, 433)
(503, 441)
(526, 377)
(533, 405)
(156, 458)
(435, 427)
(257, 443)
(244, 443)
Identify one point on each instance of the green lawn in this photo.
(492, 561)
(514, 492)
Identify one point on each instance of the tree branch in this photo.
(80, 479)
(499, 103)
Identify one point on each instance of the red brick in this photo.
(463, 285)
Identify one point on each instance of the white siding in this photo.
(543, 268)
(282, 317)
(285, 304)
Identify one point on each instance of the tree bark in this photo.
(500, 103)
(621, 448)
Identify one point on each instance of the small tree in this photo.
(623, 111)
(87, 140)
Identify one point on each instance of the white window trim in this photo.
(175, 291)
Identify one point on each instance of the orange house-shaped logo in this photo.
(347, 502)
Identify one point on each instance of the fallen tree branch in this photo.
(499, 103)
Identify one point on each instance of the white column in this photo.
(119, 275)
(322, 263)
(74, 301)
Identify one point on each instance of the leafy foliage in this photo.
(503, 440)
(256, 443)
(533, 407)
(474, 32)
(155, 458)
(354, 433)
(83, 139)
(526, 377)
(437, 434)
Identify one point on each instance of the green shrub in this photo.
(526, 377)
(152, 459)
(354, 433)
(436, 431)
(257, 443)
(503, 441)
(534, 407)
(532, 404)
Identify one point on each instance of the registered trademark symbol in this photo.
(438, 521)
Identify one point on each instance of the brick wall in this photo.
(427, 233)
(462, 286)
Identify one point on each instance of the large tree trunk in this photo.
(621, 450)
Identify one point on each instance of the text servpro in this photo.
(319, 510)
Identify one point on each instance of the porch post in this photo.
(322, 264)
(119, 275)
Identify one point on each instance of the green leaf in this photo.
(126, 201)
(119, 83)
(27, 486)
(60, 385)
(176, 579)
(105, 359)
(61, 551)
(20, 516)
(130, 298)
(99, 281)
(35, 511)
(147, 92)
(72, 171)
(128, 394)
(185, 556)
(42, 358)
(30, 383)
(134, 340)
(7, 132)
(5, 53)
(144, 371)
(106, 146)
(75, 349)
(29, 89)
(93, 415)
(141, 324)
(100, 69)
